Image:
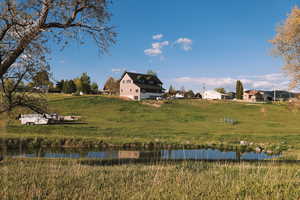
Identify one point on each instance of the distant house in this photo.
(198, 96)
(231, 95)
(111, 86)
(253, 96)
(260, 95)
(277, 95)
(213, 95)
(42, 88)
(140, 86)
(179, 95)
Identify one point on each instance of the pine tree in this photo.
(172, 91)
(60, 85)
(239, 90)
(72, 87)
(86, 83)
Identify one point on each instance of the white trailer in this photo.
(40, 119)
(33, 119)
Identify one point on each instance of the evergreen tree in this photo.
(94, 88)
(65, 87)
(85, 83)
(239, 90)
(60, 85)
(151, 72)
(172, 91)
(72, 87)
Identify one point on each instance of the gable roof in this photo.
(142, 78)
(150, 83)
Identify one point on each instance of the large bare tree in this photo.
(287, 45)
(28, 27)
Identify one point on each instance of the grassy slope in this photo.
(182, 121)
(58, 179)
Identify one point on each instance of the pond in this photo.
(163, 154)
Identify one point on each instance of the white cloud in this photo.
(152, 52)
(157, 37)
(210, 82)
(159, 45)
(156, 48)
(261, 82)
(186, 43)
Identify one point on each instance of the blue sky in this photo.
(192, 43)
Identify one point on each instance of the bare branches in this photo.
(27, 26)
(4, 31)
(28, 21)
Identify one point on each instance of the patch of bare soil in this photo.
(156, 104)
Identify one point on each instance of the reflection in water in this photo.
(191, 154)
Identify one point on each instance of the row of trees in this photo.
(81, 84)
(239, 91)
(186, 93)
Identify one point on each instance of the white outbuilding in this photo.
(213, 95)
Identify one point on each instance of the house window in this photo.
(136, 98)
(137, 90)
(128, 81)
(121, 90)
(130, 90)
(123, 81)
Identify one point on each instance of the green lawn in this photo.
(116, 121)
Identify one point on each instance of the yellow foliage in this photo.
(287, 45)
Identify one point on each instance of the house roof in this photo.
(150, 83)
(143, 78)
(252, 92)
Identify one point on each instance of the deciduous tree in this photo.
(29, 27)
(220, 90)
(287, 45)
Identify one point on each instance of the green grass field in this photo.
(117, 121)
(69, 179)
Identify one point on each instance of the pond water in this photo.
(175, 154)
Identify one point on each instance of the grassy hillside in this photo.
(69, 179)
(179, 121)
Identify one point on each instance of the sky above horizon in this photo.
(194, 44)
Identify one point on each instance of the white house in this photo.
(179, 95)
(140, 86)
(213, 95)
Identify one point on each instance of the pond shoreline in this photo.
(80, 143)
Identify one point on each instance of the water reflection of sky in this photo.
(196, 154)
(200, 154)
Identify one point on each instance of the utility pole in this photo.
(203, 88)
(274, 94)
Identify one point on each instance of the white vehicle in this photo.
(33, 119)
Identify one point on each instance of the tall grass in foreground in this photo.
(61, 179)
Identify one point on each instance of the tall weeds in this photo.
(61, 179)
